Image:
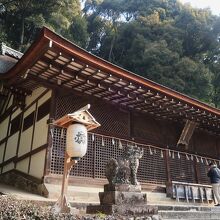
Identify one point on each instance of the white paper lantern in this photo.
(76, 140)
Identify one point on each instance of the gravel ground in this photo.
(14, 209)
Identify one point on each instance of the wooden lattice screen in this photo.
(101, 148)
(67, 104)
(202, 167)
(182, 168)
(152, 168)
(112, 120)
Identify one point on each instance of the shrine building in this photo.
(179, 134)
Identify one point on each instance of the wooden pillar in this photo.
(167, 163)
(169, 189)
(48, 155)
(196, 170)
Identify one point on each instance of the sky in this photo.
(214, 5)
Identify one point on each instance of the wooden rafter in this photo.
(57, 62)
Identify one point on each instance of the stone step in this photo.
(188, 208)
(161, 199)
(194, 212)
(76, 194)
(83, 194)
(206, 215)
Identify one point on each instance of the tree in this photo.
(23, 18)
(67, 20)
(162, 40)
(195, 77)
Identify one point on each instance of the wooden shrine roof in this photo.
(55, 61)
(8, 58)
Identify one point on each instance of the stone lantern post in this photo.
(77, 125)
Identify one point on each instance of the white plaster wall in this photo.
(35, 94)
(11, 146)
(8, 167)
(29, 110)
(41, 126)
(25, 141)
(37, 164)
(23, 165)
(16, 113)
(2, 147)
(44, 98)
(3, 128)
(40, 133)
(26, 136)
(40, 138)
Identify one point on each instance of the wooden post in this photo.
(62, 205)
(169, 189)
(167, 161)
(196, 170)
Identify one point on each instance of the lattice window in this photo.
(203, 169)
(106, 148)
(100, 150)
(68, 104)
(182, 168)
(58, 147)
(113, 121)
(152, 168)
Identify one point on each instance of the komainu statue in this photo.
(123, 170)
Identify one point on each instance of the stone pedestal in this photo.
(123, 199)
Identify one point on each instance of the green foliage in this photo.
(194, 78)
(173, 44)
(22, 19)
(78, 31)
(101, 215)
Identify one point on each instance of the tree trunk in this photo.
(112, 43)
(22, 33)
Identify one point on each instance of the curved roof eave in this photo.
(48, 38)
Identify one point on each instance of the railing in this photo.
(158, 165)
(190, 192)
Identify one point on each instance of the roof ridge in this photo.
(5, 50)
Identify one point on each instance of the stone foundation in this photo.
(127, 210)
(120, 198)
(123, 199)
(24, 181)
